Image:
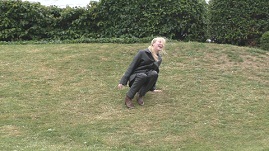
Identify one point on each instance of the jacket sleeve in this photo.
(131, 69)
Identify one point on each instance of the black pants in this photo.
(142, 83)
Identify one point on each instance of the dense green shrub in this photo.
(174, 19)
(265, 41)
(66, 24)
(22, 20)
(240, 22)
(32, 21)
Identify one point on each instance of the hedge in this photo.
(265, 41)
(238, 22)
(175, 19)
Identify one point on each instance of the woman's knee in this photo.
(153, 74)
(141, 76)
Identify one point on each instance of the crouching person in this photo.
(142, 73)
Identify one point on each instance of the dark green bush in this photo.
(265, 41)
(239, 22)
(132, 19)
(22, 20)
(175, 19)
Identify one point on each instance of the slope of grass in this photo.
(64, 97)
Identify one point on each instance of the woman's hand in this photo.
(120, 86)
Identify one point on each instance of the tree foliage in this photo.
(265, 41)
(239, 22)
(21, 20)
(175, 19)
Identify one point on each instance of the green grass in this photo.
(64, 97)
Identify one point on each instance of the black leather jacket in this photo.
(142, 63)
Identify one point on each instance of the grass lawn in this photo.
(64, 97)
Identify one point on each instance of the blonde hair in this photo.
(154, 54)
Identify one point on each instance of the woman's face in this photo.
(158, 45)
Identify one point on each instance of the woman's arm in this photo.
(130, 69)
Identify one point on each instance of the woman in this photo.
(142, 73)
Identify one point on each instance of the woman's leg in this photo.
(152, 77)
(140, 80)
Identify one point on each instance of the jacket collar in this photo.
(148, 51)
